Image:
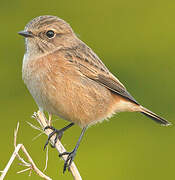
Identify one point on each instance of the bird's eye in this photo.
(50, 34)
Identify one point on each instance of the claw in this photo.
(49, 127)
(59, 134)
(69, 160)
(64, 153)
(47, 142)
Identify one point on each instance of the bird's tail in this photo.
(154, 116)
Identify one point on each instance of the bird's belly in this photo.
(78, 100)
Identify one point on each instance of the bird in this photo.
(67, 79)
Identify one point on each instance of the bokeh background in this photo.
(136, 40)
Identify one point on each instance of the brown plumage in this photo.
(66, 78)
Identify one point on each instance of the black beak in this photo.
(26, 34)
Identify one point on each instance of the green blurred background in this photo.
(136, 40)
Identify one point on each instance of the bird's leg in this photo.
(59, 133)
(71, 155)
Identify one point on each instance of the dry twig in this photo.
(40, 117)
(30, 166)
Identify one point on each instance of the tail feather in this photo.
(154, 116)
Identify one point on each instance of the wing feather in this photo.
(92, 67)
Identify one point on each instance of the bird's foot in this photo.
(59, 134)
(69, 160)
